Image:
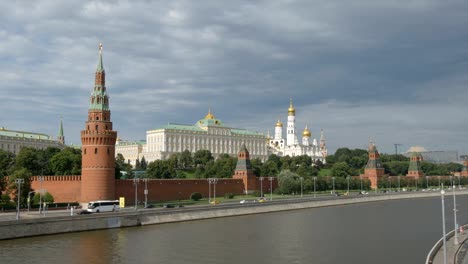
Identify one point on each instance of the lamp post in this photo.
(135, 182)
(427, 183)
(442, 192)
(261, 186)
(390, 184)
(40, 179)
(360, 178)
(315, 178)
(459, 186)
(333, 178)
(212, 181)
(416, 183)
(302, 178)
(439, 180)
(398, 183)
(347, 179)
(146, 191)
(29, 199)
(18, 182)
(271, 188)
(209, 190)
(455, 240)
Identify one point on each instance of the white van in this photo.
(103, 206)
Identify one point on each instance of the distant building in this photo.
(13, 140)
(208, 133)
(290, 146)
(434, 156)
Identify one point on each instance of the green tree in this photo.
(202, 157)
(24, 174)
(289, 182)
(121, 165)
(27, 158)
(143, 163)
(256, 166)
(66, 162)
(159, 169)
(340, 169)
(271, 167)
(185, 159)
(6, 163)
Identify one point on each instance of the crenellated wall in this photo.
(178, 189)
(64, 189)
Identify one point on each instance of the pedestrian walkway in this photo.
(453, 250)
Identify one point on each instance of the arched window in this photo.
(95, 151)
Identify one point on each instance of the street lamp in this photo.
(261, 186)
(360, 177)
(398, 183)
(390, 184)
(146, 191)
(442, 192)
(29, 199)
(315, 178)
(416, 182)
(347, 179)
(333, 178)
(18, 182)
(302, 178)
(40, 179)
(439, 180)
(135, 182)
(212, 181)
(427, 183)
(271, 188)
(455, 241)
(459, 186)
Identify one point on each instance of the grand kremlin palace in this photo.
(208, 133)
(13, 140)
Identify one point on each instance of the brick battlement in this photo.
(58, 178)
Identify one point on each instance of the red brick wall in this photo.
(164, 190)
(63, 188)
(266, 184)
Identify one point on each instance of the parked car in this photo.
(168, 206)
(243, 201)
(85, 212)
(262, 200)
(214, 202)
(149, 206)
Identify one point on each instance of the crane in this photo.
(396, 147)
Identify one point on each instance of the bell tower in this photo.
(98, 144)
(374, 168)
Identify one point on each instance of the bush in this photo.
(46, 197)
(229, 195)
(195, 196)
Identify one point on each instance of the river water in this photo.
(400, 231)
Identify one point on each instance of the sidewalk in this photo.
(452, 250)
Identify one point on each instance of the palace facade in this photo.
(208, 133)
(13, 140)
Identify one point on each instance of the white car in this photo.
(243, 201)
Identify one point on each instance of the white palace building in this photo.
(208, 133)
(290, 146)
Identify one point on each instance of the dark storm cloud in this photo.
(395, 71)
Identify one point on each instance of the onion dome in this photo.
(279, 124)
(291, 110)
(209, 115)
(306, 132)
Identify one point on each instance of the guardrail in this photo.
(435, 249)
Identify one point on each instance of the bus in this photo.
(103, 206)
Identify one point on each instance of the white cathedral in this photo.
(291, 146)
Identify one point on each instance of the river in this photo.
(398, 231)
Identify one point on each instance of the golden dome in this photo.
(279, 124)
(291, 110)
(306, 132)
(209, 115)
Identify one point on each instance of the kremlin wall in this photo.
(98, 182)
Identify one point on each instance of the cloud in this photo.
(394, 71)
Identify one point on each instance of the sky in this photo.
(395, 72)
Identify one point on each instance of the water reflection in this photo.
(399, 231)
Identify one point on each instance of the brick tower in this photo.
(244, 170)
(464, 172)
(414, 169)
(374, 168)
(98, 144)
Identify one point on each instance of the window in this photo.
(85, 151)
(95, 151)
(108, 151)
(97, 117)
(96, 127)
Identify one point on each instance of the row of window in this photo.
(96, 151)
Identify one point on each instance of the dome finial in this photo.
(291, 110)
(306, 132)
(209, 115)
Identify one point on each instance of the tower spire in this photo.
(60, 137)
(99, 98)
(100, 66)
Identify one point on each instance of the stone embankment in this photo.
(63, 224)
